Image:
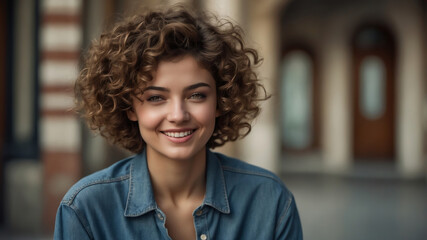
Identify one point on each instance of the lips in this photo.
(179, 136)
(178, 133)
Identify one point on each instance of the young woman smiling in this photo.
(169, 86)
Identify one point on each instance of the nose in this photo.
(178, 112)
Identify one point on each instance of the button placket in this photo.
(160, 216)
(199, 212)
(200, 223)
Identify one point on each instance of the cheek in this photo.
(149, 119)
(206, 115)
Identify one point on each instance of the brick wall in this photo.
(61, 37)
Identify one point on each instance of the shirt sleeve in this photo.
(289, 224)
(68, 225)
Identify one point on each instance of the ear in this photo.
(217, 113)
(131, 115)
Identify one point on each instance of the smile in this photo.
(178, 134)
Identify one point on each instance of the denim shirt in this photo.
(241, 202)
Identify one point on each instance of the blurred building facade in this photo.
(347, 80)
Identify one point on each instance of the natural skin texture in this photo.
(124, 59)
(176, 115)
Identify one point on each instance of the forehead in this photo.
(184, 70)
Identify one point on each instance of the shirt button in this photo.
(160, 216)
(199, 212)
(203, 237)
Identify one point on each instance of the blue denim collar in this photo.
(216, 188)
(140, 199)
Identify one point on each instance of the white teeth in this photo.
(178, 134)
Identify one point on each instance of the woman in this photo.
(169, 85)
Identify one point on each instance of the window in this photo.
(21, 141)
(372, 87)
(297, 98)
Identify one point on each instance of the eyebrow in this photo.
(163, 89)
(197, 85)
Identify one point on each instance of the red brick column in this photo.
(61, 37)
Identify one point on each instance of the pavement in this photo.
(350, 207)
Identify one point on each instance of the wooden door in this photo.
(374, 94)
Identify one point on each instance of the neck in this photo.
(177, 180)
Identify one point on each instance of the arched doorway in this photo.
(373, 93)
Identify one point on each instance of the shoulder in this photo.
(116, 173)
(237, 166)
(256, 188)
(238, 172)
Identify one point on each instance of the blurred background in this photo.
(345, 128)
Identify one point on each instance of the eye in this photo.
(197, 96)
(155, 98)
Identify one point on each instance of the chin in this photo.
(184, 154)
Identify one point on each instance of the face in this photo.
(176, 111)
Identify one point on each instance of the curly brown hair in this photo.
(124, 59)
